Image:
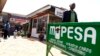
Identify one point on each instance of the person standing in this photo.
(70, 16)
(15, 34)
(6, 29)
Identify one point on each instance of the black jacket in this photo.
(67, 15)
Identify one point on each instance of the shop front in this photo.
(41, 18)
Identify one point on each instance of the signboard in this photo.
(80, 39)
(12, 19)
(19, 20)
(59, 12)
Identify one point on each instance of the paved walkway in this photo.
(24, 47)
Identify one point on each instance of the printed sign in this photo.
(59, 12)
(80, 39)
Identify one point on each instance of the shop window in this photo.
(34, 23)
(42, 22)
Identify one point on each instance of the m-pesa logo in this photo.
(74, 33)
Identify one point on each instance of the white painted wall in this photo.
(34, 33)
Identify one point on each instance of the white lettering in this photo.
(57, 32)
(70, 30)
(87, 35)
(78, 33)
(52, 30)
(63, 30)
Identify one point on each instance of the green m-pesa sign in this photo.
(80, 39)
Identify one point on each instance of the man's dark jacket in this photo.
(67, 16)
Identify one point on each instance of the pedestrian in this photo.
(70, 16)
(6, 30)
(41, 36)
(15, 34)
